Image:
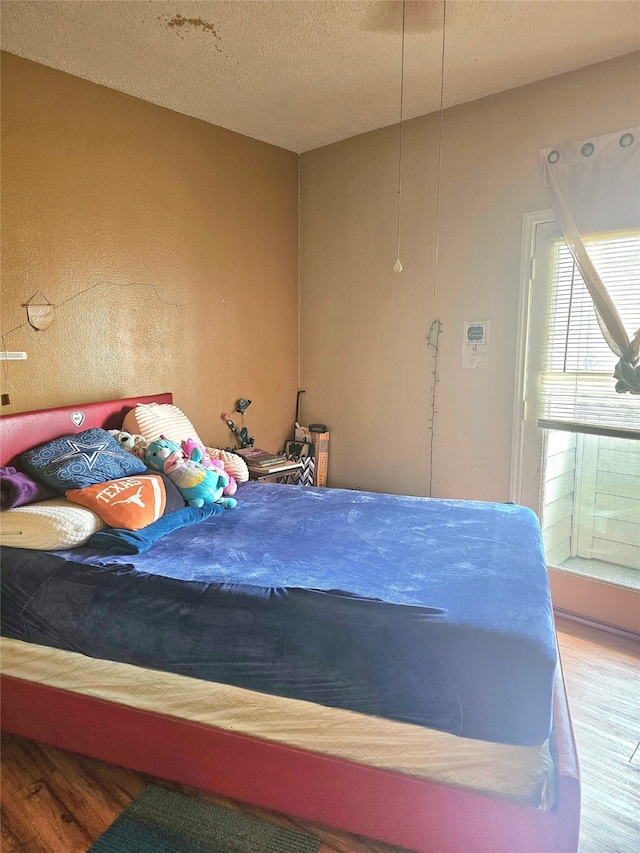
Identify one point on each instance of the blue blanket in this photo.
(426, 611)
(116, 540)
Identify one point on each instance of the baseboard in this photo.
(595, 623)
(603, 603)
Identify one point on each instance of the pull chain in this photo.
(398, 266)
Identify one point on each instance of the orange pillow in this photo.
(130, 502)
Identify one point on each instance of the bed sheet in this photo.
(430, 612)
(521, 774)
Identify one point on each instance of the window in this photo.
(577, 391)
(578, 453)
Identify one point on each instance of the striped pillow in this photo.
(233, 464)
(153, 420)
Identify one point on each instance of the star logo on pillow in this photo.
(74, 461)
(90, 452)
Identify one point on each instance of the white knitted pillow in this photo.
(151, 420)
(48, 525)
(233, 464)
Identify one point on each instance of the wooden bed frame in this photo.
(387, 806)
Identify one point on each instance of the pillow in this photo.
(76, 461)
(175, 499)
(130, 503)
(152, 420)
(48, 525)
(18, 489)
(233, 464)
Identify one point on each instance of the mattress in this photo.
(427, 612)
(521, 774)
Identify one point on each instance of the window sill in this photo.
(622, 576)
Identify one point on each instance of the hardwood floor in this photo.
(602, 673)
(58, 802)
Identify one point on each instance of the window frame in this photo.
(520, 454)
(528, 446)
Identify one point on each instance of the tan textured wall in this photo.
(365, 363)
(101, 187)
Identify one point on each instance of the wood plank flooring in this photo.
(58, 802)
(602, 672)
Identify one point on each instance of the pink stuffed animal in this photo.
(195, 451)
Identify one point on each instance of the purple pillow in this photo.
(18, 489)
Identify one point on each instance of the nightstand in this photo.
(287, 472)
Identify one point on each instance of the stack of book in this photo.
(262, 461)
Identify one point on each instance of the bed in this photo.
(381, 664)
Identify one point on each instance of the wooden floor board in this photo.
(37, 814)
(602, 672)
(58, 802)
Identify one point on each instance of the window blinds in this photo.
(577, 392)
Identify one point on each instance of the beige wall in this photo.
(101, 187)
(365, 364)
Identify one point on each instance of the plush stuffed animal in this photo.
(198, 485)
(131, 443)
(198, 452)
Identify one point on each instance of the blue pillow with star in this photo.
(76, 461)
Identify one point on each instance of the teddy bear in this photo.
(195, 450)
(131, 443)
(198, 485)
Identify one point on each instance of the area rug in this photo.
(162, 821)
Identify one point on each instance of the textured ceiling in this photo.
(306, 73)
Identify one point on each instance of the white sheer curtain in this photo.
(594, 188)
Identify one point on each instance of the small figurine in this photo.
(244, 439)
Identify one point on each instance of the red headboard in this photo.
(20, 431)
